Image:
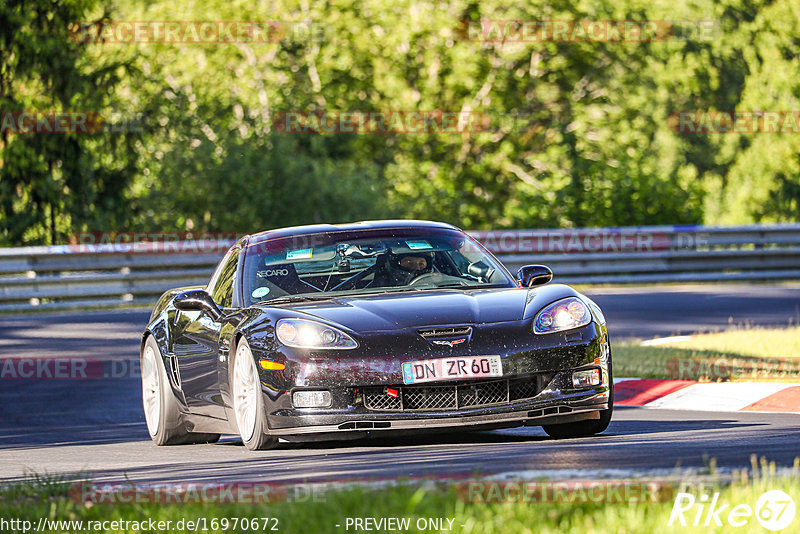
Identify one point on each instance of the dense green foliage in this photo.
(579, 132)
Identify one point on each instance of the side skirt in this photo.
(209, 425)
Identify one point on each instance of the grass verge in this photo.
(452, 508)
(742, 354)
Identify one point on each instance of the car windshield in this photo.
(401, 259)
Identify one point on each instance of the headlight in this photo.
(564, 314)
(598, 313)
(306, 334)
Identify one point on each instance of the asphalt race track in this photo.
(96, 427)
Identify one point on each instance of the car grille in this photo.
(455, 396)
(430, 398)
(525, 389)
(483, 393)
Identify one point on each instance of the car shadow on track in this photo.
(617, 429)
(630, 428)
(108, 431)
(627, 444)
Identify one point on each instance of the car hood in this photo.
(392, 311)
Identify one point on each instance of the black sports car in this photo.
(333, 331)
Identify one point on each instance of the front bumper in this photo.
(554, 401)
(353, 425)
(552, 405)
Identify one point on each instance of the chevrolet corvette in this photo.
(347, 331)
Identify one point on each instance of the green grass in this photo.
(749, 342)
(739, 354)
(36, 499)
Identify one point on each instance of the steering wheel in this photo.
(421, 279)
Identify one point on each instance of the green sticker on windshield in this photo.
(260, 292)
(418, 245)
(302, 254)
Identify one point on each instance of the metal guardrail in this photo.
(111, 275)
(655, 253)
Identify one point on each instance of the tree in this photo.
(55, 184)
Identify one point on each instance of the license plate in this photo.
(457, 368)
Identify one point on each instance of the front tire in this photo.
(582, 429)
(161, 412)
(248, 401)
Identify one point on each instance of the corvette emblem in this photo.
(451, 344)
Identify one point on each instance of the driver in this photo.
(407, 267)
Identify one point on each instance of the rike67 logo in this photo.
(774, 510)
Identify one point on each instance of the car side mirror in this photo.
(197, 300)
(534, 275)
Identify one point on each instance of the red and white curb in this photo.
(708, 396)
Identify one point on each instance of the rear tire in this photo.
(248, 401)
(582, 429)
(161, 411)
